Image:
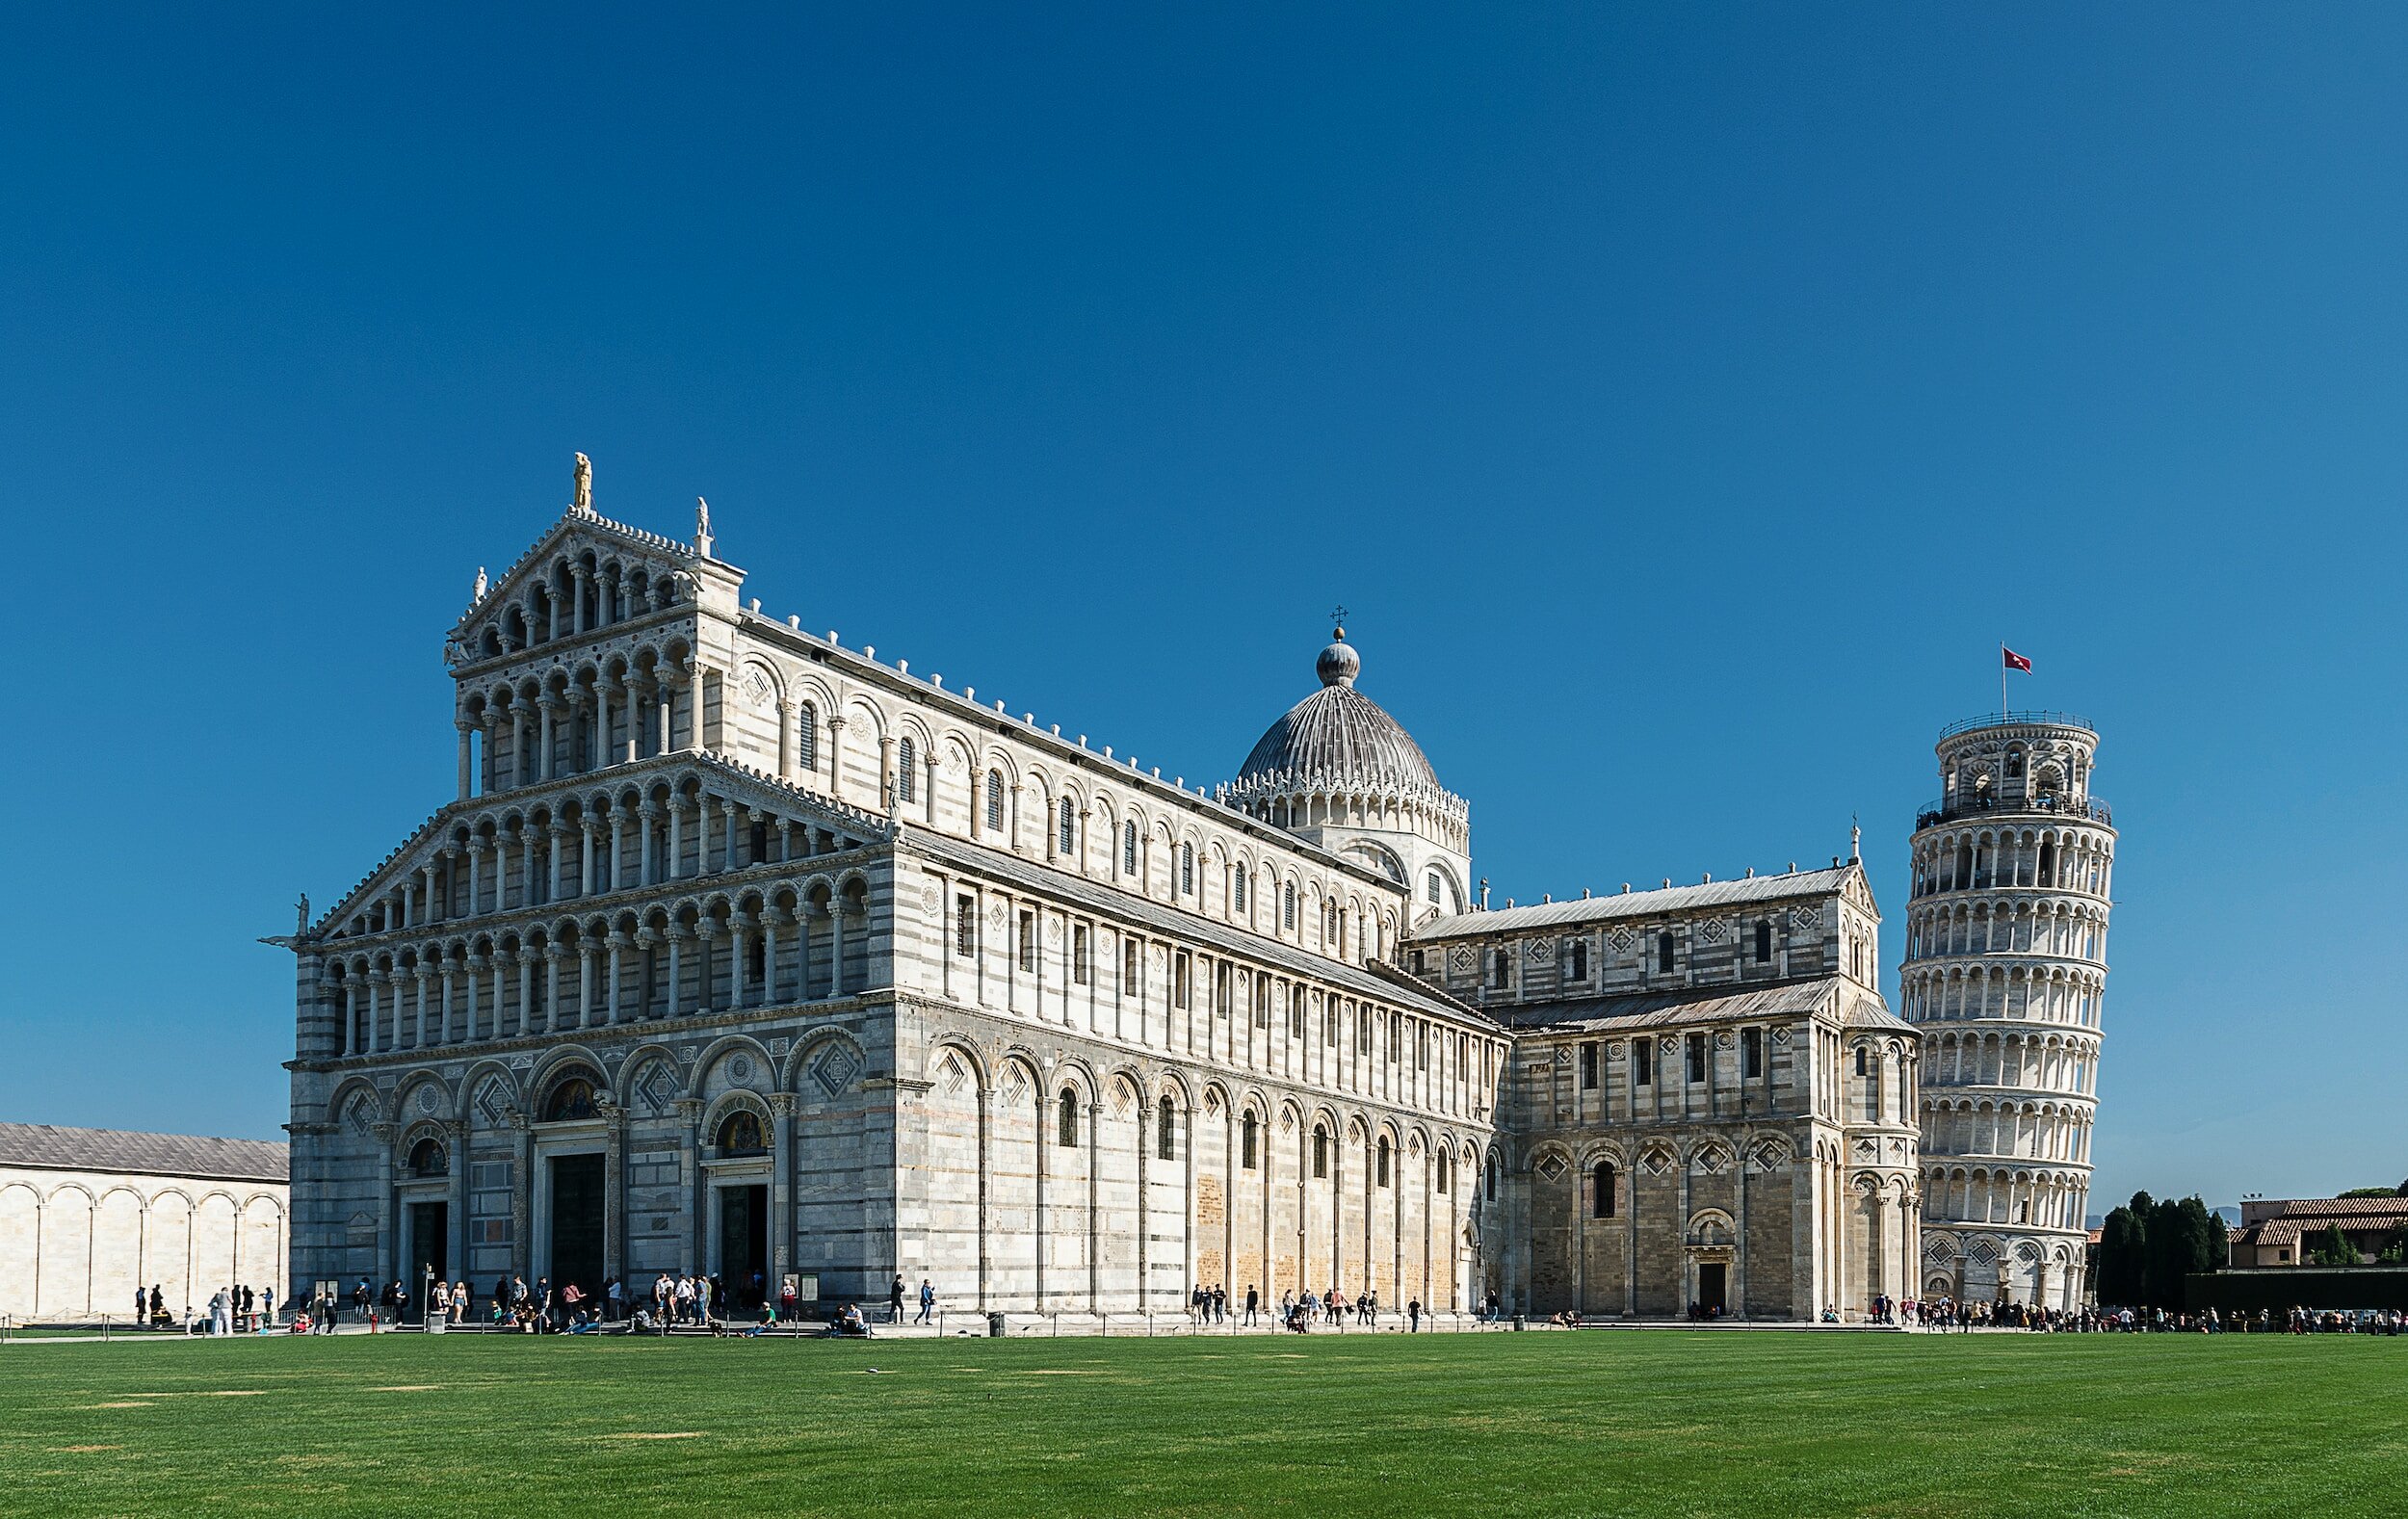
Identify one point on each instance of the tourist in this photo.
(1252, 1298)
(141, 1305)
(927, 1300)
(158, 1305)
(613, 1301)
(895, 1296)
(787, 1299)
(1413, 1316)
(438, 1303)
(685, 1299)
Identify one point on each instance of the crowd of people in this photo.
(1944, 1314)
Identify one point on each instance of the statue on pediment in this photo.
(582, 499)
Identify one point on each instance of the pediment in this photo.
(629, 574)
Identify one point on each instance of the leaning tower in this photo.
(2005, 970)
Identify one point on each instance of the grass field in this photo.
(1473, 1425)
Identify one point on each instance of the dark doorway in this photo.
(743, 1243)
(1711, 1289)
(429, 1249)
(576, 1223)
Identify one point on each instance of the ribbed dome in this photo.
(1338, 736)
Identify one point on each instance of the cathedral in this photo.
(740, 951)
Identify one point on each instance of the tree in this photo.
(2212, 1247)
(2122, 1265)
(2370, 1192)
(2332, 1247)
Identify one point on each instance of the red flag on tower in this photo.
(2015, 661)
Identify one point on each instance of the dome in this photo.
(1338, 736)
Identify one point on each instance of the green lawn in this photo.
(1473, 1425)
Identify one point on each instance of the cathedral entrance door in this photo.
(429, 1249)
(743, 1253)
(576, 1223)
(1713, 1292)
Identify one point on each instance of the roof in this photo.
(2340, 1207)
(1110, 902)
(53, 1148)
(1784, 1000)
(1640, 904)
(1339, 736)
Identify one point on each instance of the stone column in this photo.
(786, 735)
(781, 1185)
(426, 975)
(467, 778)
(376, 982)
(557, 865)
(456, 1247)
(706, 934)
(613, 1190)
(522, 1183)
(475, 965)
(740, 941)
(677, 934)
(518, 745)
(676, 839)
(548, 714)
(697, 1180)
(617, 942)
(587, 955)
(476, 878)
(628, 700)
(647, 858)
(836, 755)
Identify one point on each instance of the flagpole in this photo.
(2001, 679)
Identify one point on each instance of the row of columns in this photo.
(533, 1000)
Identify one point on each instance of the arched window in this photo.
(808, 737)
(1066, 1120)
(1446, 1167)
(907, 770)
(1663, 949)
(1129, 848)
(1764, 942)
(1248, 1137)
(740, 1134)
(1237, 888)
(1576, 959)
(570, 1099)
(995, 801)
(1433, 888)
(429, 1158)
(1601, 1202)
(1862, 1068)
(1500, 966)
(1165, 1130)
(1321, 1152)
(1287, 907)
(1187, 870)
(1384, 1159)
(1066, 832)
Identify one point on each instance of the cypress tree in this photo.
(2209, 1241)
(2122, 1241)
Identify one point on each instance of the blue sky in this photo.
(1684, 399)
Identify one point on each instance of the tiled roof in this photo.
(2342, 1208)
(50, 1147)
(1794, 999)
(1639, 903)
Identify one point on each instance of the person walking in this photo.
(1413, 1316)
(927, 1300)
(1252, 1298)
(895, 1300)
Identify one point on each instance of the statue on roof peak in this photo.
(475, 595)
(582, 500)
